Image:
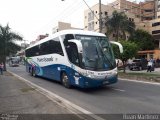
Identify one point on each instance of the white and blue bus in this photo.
(75, 58)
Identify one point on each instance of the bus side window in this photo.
(57, 46)
(44, 48)
(34, 51)
(50, 47)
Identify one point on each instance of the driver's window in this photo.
(72, 53)
(71, 49)
(67, 37)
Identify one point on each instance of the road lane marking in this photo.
(118, 89)
(153, 83)
(75, 109)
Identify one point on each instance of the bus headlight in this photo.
(90, 76)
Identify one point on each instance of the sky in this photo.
(30, 18)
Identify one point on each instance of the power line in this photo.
(71, 12)
(61, 15)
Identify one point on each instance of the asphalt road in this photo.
(122, 97)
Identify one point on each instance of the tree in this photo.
(7, 43)
(129, 51)
(143, 39)
(119, 24)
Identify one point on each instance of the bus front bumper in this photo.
(92, 83)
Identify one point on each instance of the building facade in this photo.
(148, 10)
(39, 37)
(155, 30)
(62, 26)
(155, 54)
(124, 5)
(91, 18)
(157, 8)
(146, 16)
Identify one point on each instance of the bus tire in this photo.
(65, 80)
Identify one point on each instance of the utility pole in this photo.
(100, 17)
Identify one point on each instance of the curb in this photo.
(73, 108)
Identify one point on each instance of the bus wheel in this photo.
(65, 80)
(33, 73)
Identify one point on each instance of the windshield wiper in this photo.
(105, 56)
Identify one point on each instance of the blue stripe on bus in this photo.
(53, 73)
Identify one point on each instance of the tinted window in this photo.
(34, 51)
(44, 48)
(156, 24)
(49, 47)
(56, 47)
(155, 31)
(136, 60)
(148, 10)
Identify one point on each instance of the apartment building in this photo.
(62, 26)
(124, 5)
(153, 27)
(144, 10)
(39, 37)
(148, 11)
(146, 16)
(155, 30)
(158, 14)
(158, 8)
(91, 18)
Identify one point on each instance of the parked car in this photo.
(138, 64)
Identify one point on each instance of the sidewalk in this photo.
(16, 97)
(142, 75)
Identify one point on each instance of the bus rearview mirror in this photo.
(78, 43)
(119, 45)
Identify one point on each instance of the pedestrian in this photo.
(1, 68)
(158, 62)
(150, 65)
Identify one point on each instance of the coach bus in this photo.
(75, 58)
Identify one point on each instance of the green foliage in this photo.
(143, 39)
(129, 50)
(7, 42)
(119, 25)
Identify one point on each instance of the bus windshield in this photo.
(97, 53)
